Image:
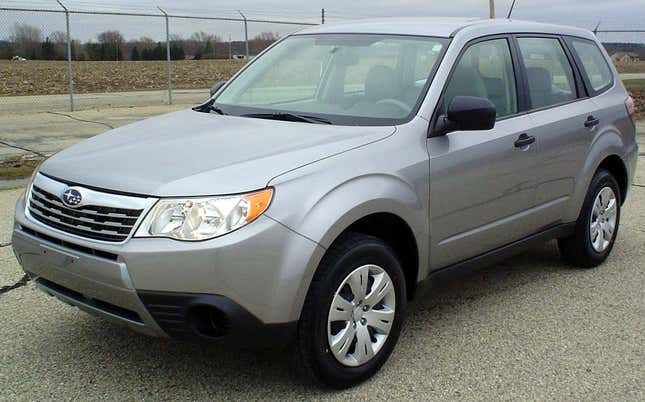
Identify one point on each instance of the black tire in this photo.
(577, 250)
(314, 359)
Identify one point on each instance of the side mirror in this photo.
(217, 87)
(467, 113)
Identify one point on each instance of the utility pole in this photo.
(70, 79)
(322, 16)
(230, 47)
(168, 56)
(491, 8)
(246, 34)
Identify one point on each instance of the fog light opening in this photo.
(207, 321)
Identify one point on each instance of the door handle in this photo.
(524, 140)
(591, 122)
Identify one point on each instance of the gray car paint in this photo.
(460, 194)
(212, 155)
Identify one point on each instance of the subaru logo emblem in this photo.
(72, 197)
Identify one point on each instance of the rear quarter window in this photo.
(594, 65)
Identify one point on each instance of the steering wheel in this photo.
(395, 102)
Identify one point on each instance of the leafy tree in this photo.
(146, 54)
(47, 50)
(134, 55)
(177, 51)
(112, 42)
(159, 52)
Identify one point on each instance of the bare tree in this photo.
(147, 42)
(59, 42)
(205, 37)
(26, 39)
(58, 37)
(267, 37)
(263, 40)
(176, 38)
(202, 44)
(111, 37)
(113, 40)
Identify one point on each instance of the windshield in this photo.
(350, 79)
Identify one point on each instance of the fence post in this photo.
(246, 34)
(168, 56)
(70, 78)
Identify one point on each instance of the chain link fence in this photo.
(62, 58)
(57, 57)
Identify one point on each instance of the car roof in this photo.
(442, 27)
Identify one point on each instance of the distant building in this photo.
(625, 57)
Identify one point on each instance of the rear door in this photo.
(482, 182)
(558, 108)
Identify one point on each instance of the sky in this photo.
(612, 14)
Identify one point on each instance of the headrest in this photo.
(540, 79)
(381, 83)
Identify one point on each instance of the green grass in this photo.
(14, 168)
(635, 85)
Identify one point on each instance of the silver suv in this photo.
(308, 199)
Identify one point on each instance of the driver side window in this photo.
(485, 70)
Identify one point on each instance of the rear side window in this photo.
(550, 76)
(594, 64)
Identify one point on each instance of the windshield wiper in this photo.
(208, 107)
(289, 117)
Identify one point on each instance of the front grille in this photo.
(90, 221)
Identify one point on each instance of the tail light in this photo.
(631, 108)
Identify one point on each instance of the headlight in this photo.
(203, 218)
(31, 182)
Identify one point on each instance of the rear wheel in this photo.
(597, 226)
(353, 313)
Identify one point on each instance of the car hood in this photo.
(188, 153)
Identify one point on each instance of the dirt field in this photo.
(50, 77)
(637, 89)
(631, 68)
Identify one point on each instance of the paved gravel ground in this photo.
(50, 132)
(529, 328)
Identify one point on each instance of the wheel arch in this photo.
(606, 152)
(616, 166)
(397, 234)
(362, 204)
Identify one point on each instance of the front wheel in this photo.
(353, 312)
(597, 226)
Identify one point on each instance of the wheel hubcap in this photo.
(361, 315)
(603, 219)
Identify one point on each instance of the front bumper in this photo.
(254, 279)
